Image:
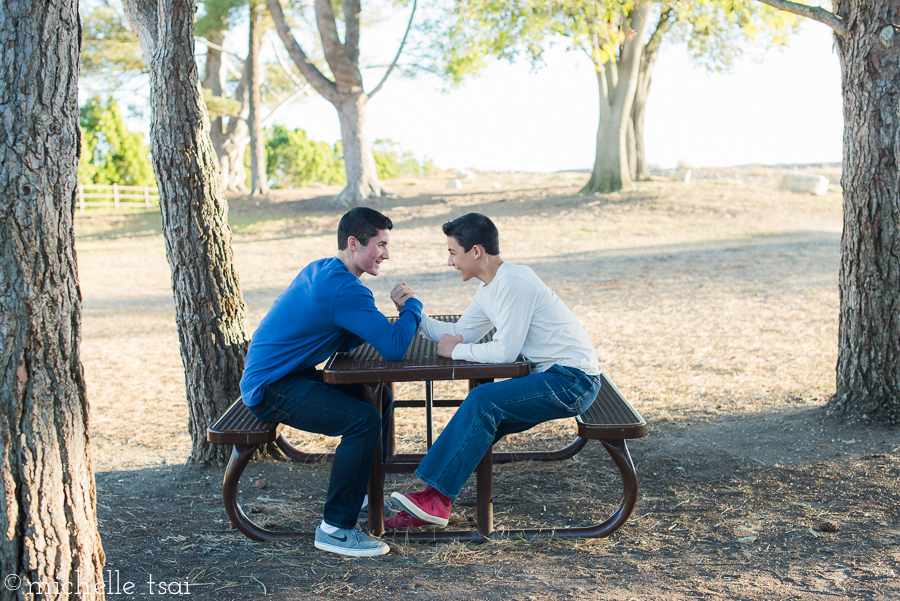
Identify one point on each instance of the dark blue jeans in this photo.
(492, 411)
(300, 400)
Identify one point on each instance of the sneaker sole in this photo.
(417, 511)
(379, 550)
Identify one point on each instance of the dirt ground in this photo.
(713, 306)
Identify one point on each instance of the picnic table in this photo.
(611, 419)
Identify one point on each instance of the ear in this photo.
(478, 251)
(352, 243)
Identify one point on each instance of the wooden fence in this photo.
(119, 197)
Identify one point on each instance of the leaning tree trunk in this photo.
(610, 172)
(48, 513)
(868, 366)
(359, 162)
(229, 141)
(642, 92)
(638, 108)
(209, 308)
(258, 183)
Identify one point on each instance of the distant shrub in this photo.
(393, 162)
(294, 161)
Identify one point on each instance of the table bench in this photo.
(610, 419)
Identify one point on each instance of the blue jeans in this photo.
(491, 411)
(302, 401)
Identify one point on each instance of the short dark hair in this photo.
(362, 223)
(472, 229)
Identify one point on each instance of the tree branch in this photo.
(399, 50)
(144, 19)
(206, 42)
(346, 73)
(815, 13)
(316, 79)
(351, 22)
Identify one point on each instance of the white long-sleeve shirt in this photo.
(531, 320)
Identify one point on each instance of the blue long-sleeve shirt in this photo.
(325, 309)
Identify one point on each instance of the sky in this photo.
(781, 106)
(778, 106)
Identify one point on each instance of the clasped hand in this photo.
(401, 293)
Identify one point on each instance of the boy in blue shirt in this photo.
(326, 309)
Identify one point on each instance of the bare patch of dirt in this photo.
(714, 308)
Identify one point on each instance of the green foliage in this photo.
(715, 31)
(217, 17)
(110, 152)
(293, 160)
(393, 162)
(110, 49)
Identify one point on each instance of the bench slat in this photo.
(239, 426)
(610, 416)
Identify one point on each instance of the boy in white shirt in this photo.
(531, 320)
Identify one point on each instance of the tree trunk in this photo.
(642, 92)
(229, 140)
(48, 515)
(631, 148)
(209, 308)
(359, 162)
(868, 366)
(641, 168)
(258, 182)
(610, 172)
(237, 137)
(345, 93)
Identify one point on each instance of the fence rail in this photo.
(125, 197)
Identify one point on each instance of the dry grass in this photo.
(714, 308)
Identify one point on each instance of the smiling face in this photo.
(464, 262)
(368, 258)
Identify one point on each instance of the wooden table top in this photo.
(421, 363)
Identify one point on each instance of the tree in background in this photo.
(867, 41)
(209, 308)
(229, 109)
(345, 92)
(613, 35)
(48, 502)
(110, 51)
(110, 152)
(716, 32)
(258, 182)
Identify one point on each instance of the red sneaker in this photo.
(405, 521)
(428, 505)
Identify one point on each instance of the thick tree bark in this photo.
(209, 308)
(868, 367)
(642, 92)
(258, 182)
(50, 543)
(617, 82)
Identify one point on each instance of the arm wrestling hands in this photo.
(402, 293)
